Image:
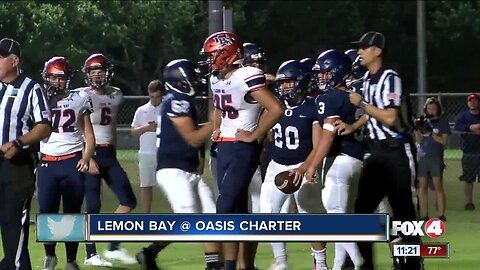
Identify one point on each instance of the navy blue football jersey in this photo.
(336, 103)
(292, 134)
(173, 151)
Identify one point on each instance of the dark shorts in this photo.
(470, 169)
(430, 167)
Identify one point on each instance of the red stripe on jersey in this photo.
(251, 77)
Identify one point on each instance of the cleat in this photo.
(96, 260)
(49, 263)
(120, 255)
(147, 260)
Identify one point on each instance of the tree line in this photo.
(140, 37)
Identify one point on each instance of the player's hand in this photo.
(355, 98)
(311, 175)
(82, 165)
(343, 128)
(215, 135)
(244, 136)
(93, 167)
(299, 173)
(9, 150)
(270, 78)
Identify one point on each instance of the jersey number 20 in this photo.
(289, 134)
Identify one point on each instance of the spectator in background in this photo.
(144, 125)
(431, 135)
(468, 122)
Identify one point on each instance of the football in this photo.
(284, 182)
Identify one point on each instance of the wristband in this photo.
(18, 144)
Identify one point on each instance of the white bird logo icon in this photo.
(61, 229)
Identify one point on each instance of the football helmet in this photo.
(99, 62)
(182, 76)
(222, 49)
(291, 81)
(56, 76)
(253, 56)
(331, 69)
(357, 69)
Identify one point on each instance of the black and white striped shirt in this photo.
(22, 105)
(384, 90)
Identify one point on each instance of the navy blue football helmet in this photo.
(182, 76)
(336, 67)
(253, 56)
(357, 69)
(294, 71)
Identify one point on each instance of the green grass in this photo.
(462, 231)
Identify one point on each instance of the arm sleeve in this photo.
(392, 91)
(39, 109)
(136, 121)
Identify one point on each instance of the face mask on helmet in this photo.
(182, 76)
(56, 76)
(331, 70)
(222, 49)
(98, 71)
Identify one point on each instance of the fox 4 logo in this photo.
(433, 228)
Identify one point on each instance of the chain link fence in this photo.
(453, 104)
(127, 144)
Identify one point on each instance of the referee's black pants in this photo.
(16, 189)
(388, 172)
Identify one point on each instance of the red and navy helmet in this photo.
(223, 49)
(56, 75)
(335, 68)
(97, 61)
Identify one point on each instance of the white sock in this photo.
(320, 255)
(354, 253)
(279, 252)
(340, 255)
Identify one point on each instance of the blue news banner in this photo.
(212, 227)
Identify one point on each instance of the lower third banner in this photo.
(216, 227)
(212, 227)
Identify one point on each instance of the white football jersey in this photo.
(105, 111)
(67, 125)
(239, 109)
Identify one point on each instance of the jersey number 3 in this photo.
(223, 102)
(289, 134)
(67, 117)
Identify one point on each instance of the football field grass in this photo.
(462, 231)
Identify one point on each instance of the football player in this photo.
(64, 159)
(341, 156)
(293, 141)
(239, 94)
(106, 100)
(178, 154)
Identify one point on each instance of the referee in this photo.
(390, 169)
(24, 121)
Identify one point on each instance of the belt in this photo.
(104, 145)
(57, 158)
(226, 139)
